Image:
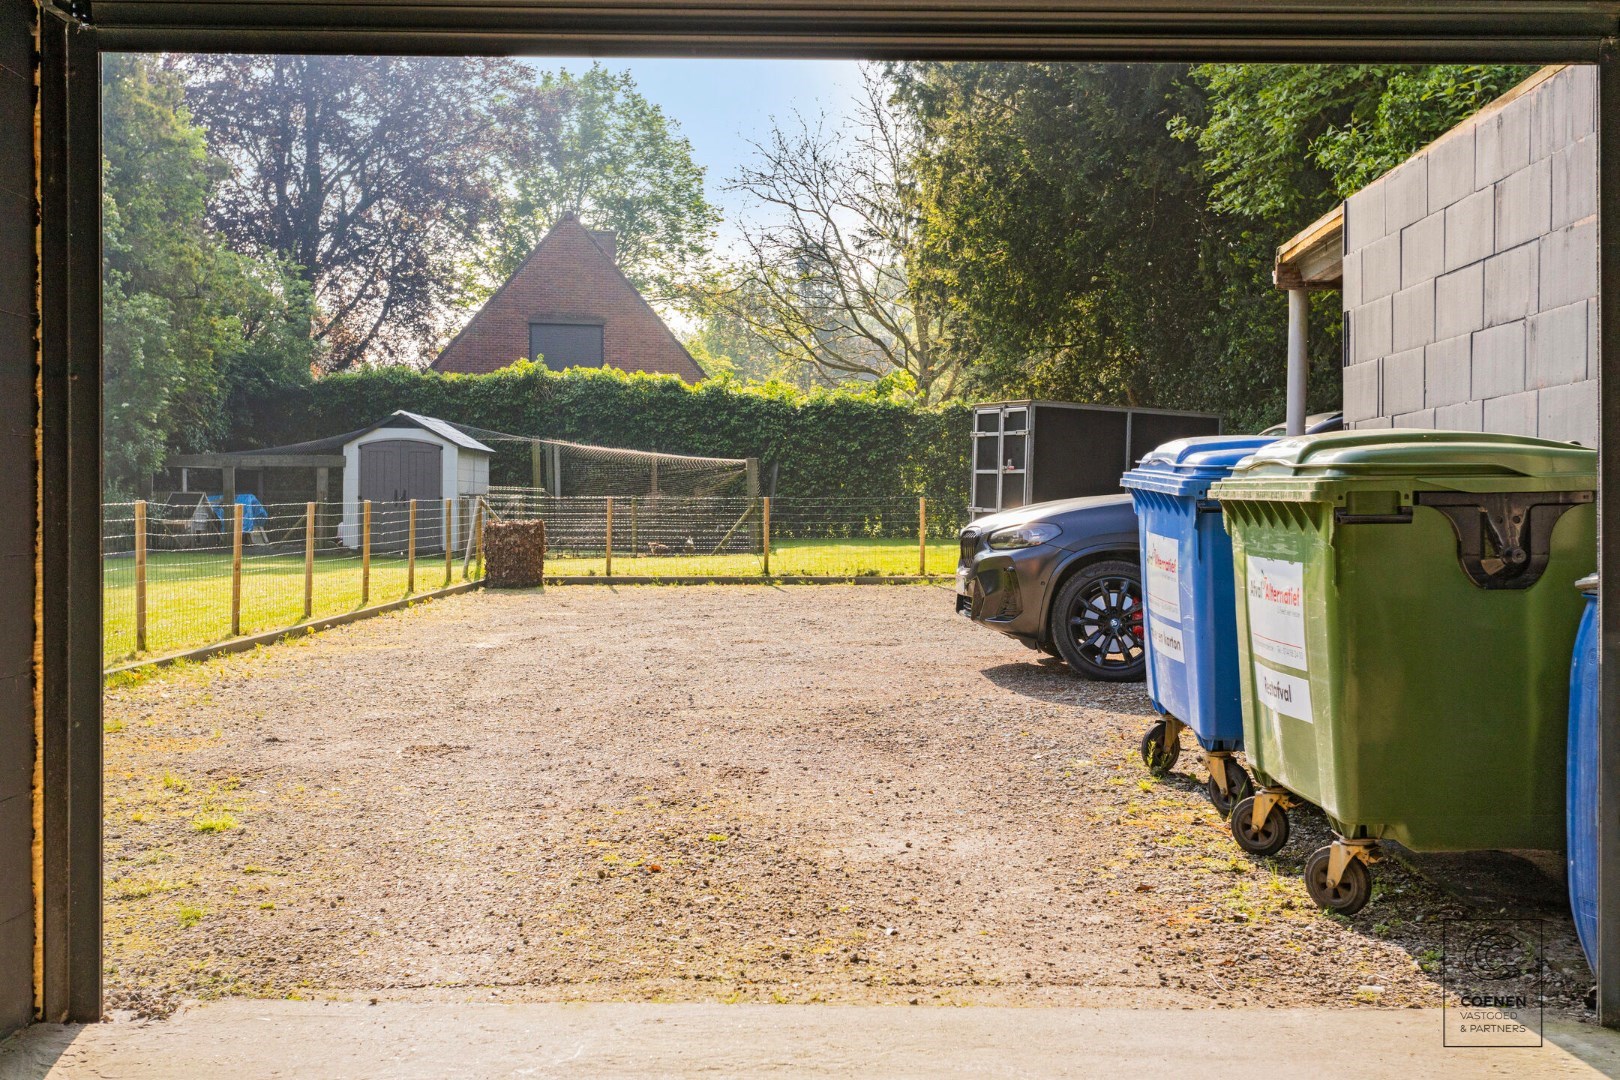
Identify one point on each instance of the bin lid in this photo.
(1423, 454)
(1189, 466)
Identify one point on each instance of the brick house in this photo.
(569, 304)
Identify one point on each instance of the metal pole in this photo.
(1299, 309)
(365, 552)
(1608, 748)
(922, 536)
(609, 543)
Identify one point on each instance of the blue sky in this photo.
(723, 105)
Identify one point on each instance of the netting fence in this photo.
(176, 578)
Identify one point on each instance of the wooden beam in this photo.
(256, 461)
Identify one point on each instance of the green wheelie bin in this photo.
(1406, 619)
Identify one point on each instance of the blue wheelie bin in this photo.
(1581, 790)
(1192, 641)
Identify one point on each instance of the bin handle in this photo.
(1504, 539)
(1402, 516)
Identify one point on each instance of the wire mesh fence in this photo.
(179, 577)
(189, 572)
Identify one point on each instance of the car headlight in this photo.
(1024, 536)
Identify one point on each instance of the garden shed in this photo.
(405, 457)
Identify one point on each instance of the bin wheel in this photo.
(1351, 894)
(1158, 754)
(1238, 785)
(1265, 838)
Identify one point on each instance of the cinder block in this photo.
(1364, 217)
(1569, 265)
(1516, 414)
(1471, 229)
(1524, 205)
(1566, 109)
(1380, 268)
(1350, 290)
(1412, 317)
(1511, 284)
(1370, 331)
(1406, 193)
(1448, 371)
(1499, 361)
(1569, 413)
(1423, 418)
(1503, 143)
(1451, 169)
(1360, 392)
(1423, 249)
(1402, 383)
(1556, 347)
(1463, 416)
(1459, 301)
(1574, 182)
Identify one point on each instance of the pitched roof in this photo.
(568, 277)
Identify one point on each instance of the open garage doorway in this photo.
(647, 868)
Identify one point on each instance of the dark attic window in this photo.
(566, 344)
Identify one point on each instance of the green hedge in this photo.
(872, 444)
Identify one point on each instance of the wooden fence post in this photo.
(922, 536)
(765, 532)
(309, 561)
(609, 544)
(236, 569)
(478, 535)
(140, 576)
(449, 541)
(410, 551)
(365, 553)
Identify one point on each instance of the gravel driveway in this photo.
(818, 793)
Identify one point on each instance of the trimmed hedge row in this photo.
(824, 444)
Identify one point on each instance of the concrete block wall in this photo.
(1470, 274)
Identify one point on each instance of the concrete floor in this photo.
(245, 1040)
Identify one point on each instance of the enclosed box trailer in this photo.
(1036, 451)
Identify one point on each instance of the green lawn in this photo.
(188, 594)
(789, 558)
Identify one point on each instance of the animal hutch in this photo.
(1036, 451)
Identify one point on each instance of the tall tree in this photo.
(617, 161)
(1284, 141)
(189, 324)
(368, 173)
(1073, 235)
(827, 275)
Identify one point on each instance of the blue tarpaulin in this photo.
(254, 515)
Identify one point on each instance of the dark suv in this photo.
(1065, 577)
(1062, 577)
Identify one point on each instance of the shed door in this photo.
(392, 473)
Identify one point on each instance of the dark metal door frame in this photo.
(73, 32)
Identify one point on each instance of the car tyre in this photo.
(1096, 622)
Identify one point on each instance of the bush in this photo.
(871, 444)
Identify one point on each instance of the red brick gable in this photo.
(568, 277)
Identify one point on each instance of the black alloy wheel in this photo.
(1096, 622)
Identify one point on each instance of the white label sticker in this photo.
(1286, 694)
(1163, 561)
(1277, 611)
(1166, 639)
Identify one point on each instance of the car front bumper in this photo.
(1006, 590)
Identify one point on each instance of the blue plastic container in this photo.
(1192, 646)
(1581, 791)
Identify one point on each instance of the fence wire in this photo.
(194, 594)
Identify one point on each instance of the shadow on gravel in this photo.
(1049, 680)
